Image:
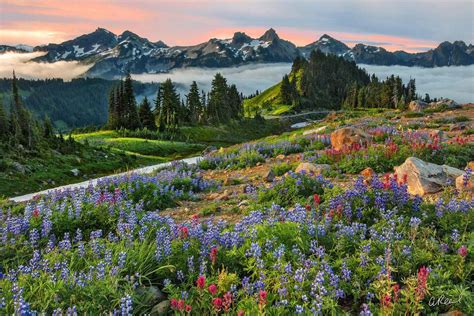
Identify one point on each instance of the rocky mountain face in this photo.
(112, 55)
(327, 45)
(15, 49)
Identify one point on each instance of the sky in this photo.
(410, 25)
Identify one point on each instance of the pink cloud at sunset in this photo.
(190, 22)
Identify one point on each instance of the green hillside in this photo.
(269, 101)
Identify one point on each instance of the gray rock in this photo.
(161, 308)
(310, 168)
(449, 103)
(150, 295)
(424, 177)
(75, 172)
(269, 176)
(417, 106)
(243, 203)
(458, 127)
(19, 167)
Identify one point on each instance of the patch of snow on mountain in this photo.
(64, 56)
(78, 51)
(28, 48)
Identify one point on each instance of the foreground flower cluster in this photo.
(369, 249)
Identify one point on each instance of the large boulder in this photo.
(417, 106)
(310, 168)
(348, 136)
(425, 177)
(449, 103)
(161, 309)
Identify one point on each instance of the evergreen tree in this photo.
(120, 109)
(293, 89)
(4, 124)
(361, 102)
(168, 119)
(286, 90)
(427, 98)
(147, 119)
(131, 119)
(194, 103)
(235, 102)
(21, 121)
(48, 130)
(203, 116)
(113, 115)
(218, 103)
(411, 90)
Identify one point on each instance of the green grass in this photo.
(269, 100)
(167, 150)
(51, 170)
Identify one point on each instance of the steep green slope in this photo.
(269, 101)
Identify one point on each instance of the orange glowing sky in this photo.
(408, 25)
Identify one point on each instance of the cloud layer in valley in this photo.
(456, 83)
(25, 68)
(248, 78)
(451, 82)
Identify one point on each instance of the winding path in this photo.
(85, 184)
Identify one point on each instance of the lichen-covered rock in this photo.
(348, 136)
(424, 177)
(417, 106)
(269, 176)
(310, 168)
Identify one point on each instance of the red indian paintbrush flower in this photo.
(181, 305)
(217, 302)
(227, 301)
(213, 255)
(422, 279)
(174, 303)
(316, 200)
(462, 251)
(212, 289)
(184, 232)
(263, 297)
(201, 282)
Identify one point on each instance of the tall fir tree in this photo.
(130, 104)
(112, 120)
(285, 90)
(120, 106)
(21, 120)
(147, 119)
(235, 102)
(218, 103)
(48, 129)
(203, 117)
(170, 104)
(193, 101)
(4, 124)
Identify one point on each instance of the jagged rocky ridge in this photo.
(111, 54)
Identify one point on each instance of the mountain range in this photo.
(112, 55)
